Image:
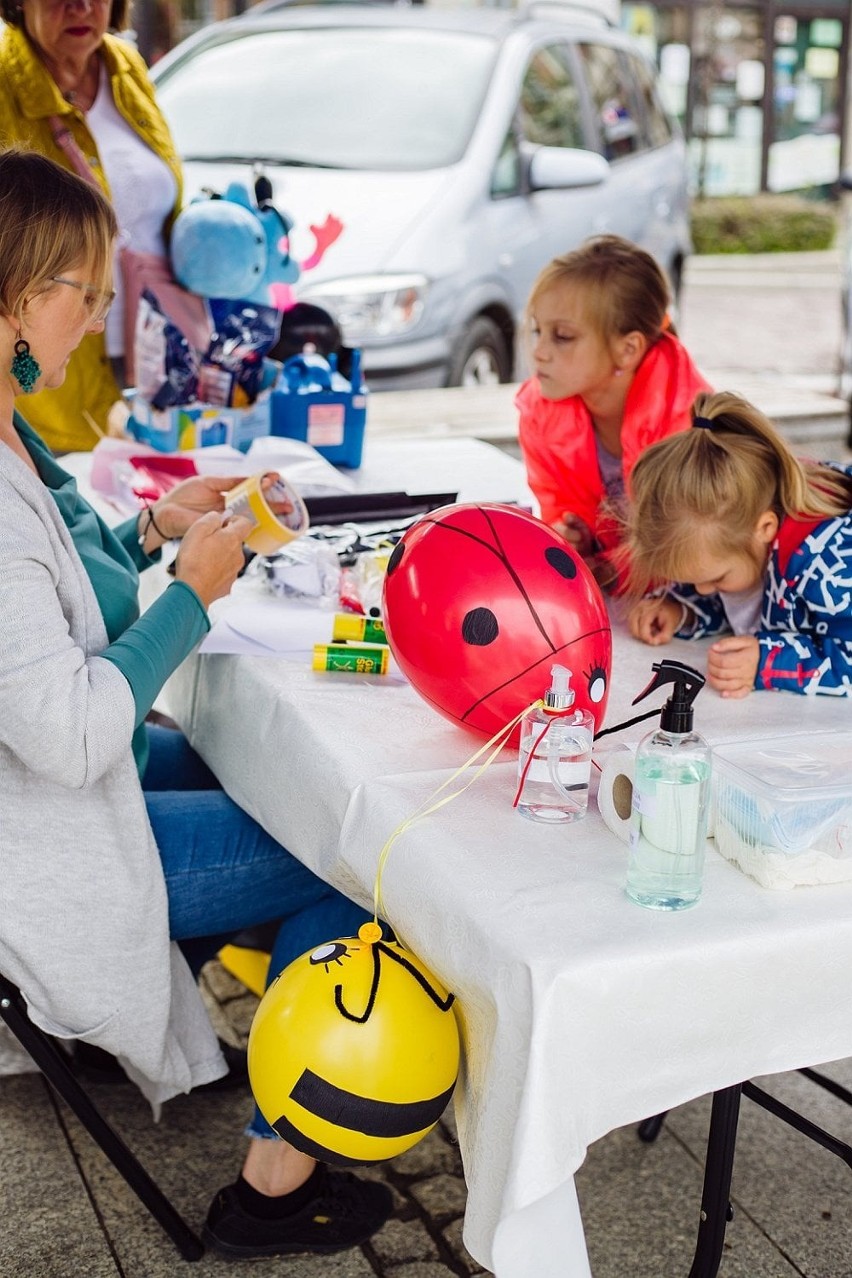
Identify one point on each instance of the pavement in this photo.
(771, 325)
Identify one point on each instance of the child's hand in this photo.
(732, 665)
(576, 532)
(655, 621)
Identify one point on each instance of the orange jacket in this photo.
(558, 441)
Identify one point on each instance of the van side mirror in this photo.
(561, 168)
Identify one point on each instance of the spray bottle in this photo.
(670, 793)
(555, 757)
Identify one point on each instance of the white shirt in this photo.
(143, 193)
(743, 608)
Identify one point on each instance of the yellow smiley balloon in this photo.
(354, 1050)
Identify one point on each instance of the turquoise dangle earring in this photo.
(26, 370)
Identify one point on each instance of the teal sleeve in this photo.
(128, 534)
(154, 646)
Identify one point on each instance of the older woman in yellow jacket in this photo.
(83, 97)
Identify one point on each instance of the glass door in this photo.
(804, 144)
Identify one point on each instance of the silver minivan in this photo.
(461, 149)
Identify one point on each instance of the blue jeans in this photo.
(224, 873)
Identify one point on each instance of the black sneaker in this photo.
(345, 1212)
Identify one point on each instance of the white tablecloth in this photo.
(581, 1012)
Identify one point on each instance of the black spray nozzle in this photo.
(677, 712)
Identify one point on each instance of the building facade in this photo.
(761, 89)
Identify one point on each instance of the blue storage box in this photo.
(332, 422)
(199, 425)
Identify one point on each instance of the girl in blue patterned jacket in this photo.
(765, 543)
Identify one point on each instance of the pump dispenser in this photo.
(670, 794)
(555, 758)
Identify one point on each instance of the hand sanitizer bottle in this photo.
(670, 792)
(555, 758)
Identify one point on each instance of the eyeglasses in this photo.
(97, 302)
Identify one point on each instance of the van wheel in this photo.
(482, 357)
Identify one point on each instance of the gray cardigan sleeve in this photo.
(66, 715)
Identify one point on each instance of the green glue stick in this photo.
(348, 625)
(356, 658)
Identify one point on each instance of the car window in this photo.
(550, 111)
(612, 100)
(506, 178)
(338, 98)
(657, 124)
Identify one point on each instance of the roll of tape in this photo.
(272, 527)
(615, 793)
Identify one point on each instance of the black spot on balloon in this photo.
(562, 561)
(396, 555)
(480, 627)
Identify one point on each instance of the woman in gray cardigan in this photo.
(115, 841)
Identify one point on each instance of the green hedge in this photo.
(762, 224)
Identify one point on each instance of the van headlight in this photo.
(371, 306)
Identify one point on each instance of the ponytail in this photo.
(722, 474)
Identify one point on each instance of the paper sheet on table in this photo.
(270, 626)
(274, 628)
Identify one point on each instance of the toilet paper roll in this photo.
(615, 793)
(272, 528)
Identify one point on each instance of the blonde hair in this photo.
(714, 481)
(625, 290)
(51, 221)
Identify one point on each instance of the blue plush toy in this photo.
(232, 247)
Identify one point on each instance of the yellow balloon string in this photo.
(428, 806)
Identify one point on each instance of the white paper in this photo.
(273, 626)
(305, 468)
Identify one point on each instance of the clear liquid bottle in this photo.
(555, 757)
(668, 824)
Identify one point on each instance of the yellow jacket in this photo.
(29, 96)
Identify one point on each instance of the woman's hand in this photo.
(732, 665)
(656, 620)
(211, 554)
(176, 511)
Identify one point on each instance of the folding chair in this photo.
(56, 1067)
(716, 1209)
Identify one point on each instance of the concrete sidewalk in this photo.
(68, 1215)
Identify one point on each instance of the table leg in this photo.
(715, 1196)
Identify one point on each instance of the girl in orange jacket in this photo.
(610, 379)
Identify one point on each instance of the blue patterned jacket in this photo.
(805, 630)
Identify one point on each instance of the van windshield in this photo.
(346, 98)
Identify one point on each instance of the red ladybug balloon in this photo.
(480, 601)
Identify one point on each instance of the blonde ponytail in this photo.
(721, 475)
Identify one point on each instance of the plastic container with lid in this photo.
(783, 809)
